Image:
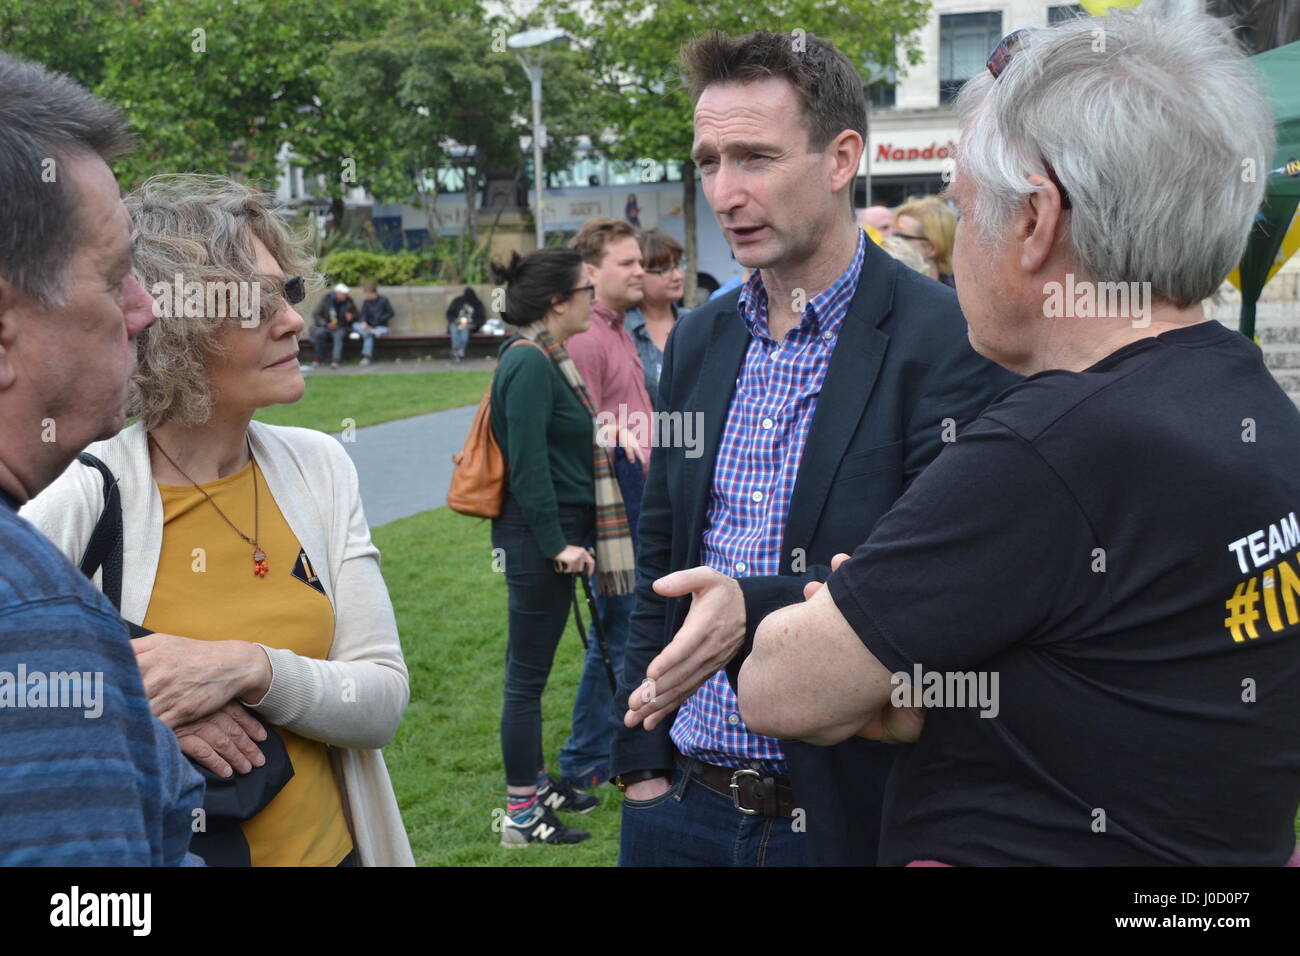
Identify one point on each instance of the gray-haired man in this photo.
(90, 776)
(1091, 596)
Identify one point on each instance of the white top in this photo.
(314, 483)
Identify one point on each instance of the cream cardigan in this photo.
(354, 700)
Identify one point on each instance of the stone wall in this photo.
(420, 309)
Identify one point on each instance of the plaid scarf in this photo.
(615, 559)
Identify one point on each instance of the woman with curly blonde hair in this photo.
(247, 538)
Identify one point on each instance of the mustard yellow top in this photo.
(206, 589)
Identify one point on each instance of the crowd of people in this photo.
(906, 466)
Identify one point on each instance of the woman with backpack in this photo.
(556, 479)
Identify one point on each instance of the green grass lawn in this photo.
(371, 399)
(446, 758)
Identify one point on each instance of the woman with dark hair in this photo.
(465, 316)
(558, 478)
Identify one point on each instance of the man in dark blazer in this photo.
(896, 380)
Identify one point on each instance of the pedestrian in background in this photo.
(465, 316)
(557, 478)
(334, 315)
(664, 283)
(930, 225)
(376, 313)
(607, 358)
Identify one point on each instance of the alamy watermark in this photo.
(25, 689)
(945, 689)
(197, 300)
(653, 430)
(1086, 299)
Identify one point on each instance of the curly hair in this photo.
(194, 228)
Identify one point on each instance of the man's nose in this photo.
(727, 192)
(137, 307)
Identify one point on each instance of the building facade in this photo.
(912, 128)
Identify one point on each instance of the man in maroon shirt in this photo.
(607, 358)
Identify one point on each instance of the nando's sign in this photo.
(888, 152)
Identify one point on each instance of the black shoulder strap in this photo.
(105, 547)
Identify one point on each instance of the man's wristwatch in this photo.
(625, 780)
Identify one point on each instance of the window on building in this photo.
(587, 170)
(1063, 12)
(880, 94)
(451, 177)
(965, 42)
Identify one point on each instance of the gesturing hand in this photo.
(187, 679)
(713, 631)
(225, 739)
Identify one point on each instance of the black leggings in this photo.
(540, 599)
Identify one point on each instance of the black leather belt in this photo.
(751, 792)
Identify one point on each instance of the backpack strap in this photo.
(105, 547)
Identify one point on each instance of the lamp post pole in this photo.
(521, 43)
(539, 173)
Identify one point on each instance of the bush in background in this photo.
(357, 266)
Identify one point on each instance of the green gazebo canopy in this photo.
(1281, 70)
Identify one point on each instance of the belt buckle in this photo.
(735, 790)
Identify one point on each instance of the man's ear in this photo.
(1038, 224)
(845, 154)
(10, 297)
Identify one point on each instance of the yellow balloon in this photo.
(1099, 7)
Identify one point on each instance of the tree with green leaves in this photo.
(633, 46)
(216, 86)
(439, 76)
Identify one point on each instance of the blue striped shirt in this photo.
(88, 775)
(762, 444)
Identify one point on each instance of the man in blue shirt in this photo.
(90, 776)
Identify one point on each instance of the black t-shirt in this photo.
(1119, 547)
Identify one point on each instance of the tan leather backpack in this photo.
(478, 481)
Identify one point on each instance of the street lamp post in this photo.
(521, 43)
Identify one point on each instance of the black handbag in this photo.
(227, 801)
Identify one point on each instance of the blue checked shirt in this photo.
(753, 480)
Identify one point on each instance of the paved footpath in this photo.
(405, 466)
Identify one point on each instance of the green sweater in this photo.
(546, 437)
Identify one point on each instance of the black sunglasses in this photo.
(295, 289)
(583, 288)
(1001, 58)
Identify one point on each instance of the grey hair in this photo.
(46, 119)
(1151, 124)
(200, 228)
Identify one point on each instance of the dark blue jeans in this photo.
(586, 752)
(540, 604)
(691, 825)
(320, 340)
